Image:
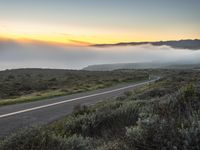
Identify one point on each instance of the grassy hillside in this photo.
(150, 65)
(33, 84)
(164, 115)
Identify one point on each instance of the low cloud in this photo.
(36, 55)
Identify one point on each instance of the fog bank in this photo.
(37, 55)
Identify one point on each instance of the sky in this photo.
(59, 33)
(85, 22)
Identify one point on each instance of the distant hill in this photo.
(110, 67)
(182, 44)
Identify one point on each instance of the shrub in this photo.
(80, 109)
(36, 139)
(76, 142)
(32, 139)
(103, 123)
(172, 123)
(153, 133)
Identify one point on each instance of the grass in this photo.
(54, 93)
(26, 85)
(47, 94)
(32, 97)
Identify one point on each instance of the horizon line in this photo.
(84, 43)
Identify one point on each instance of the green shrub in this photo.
(80, 109)
(32, 139)
(103, 123)
(171, 123)
(36, 139)
(78, 143)
(153, 133)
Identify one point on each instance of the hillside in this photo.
(110, 67)
(162, 115)
(182, 44)
(23, 85)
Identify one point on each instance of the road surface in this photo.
(18, 116)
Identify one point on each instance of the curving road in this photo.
(18, 116)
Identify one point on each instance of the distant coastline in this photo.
(181, 44)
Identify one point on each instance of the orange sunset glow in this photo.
(77, 35)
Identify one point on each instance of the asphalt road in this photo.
(18, 116)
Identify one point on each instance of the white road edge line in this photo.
(74, 99)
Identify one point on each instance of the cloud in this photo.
(80, 42)
(36, 55)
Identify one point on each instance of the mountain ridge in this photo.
(178, 44)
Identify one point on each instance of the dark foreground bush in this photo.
(106, 122)
(154, 133)
(172, 124)
(36, 139)
(32, 139)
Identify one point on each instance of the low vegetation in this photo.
(163, 115)
(24, 85)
